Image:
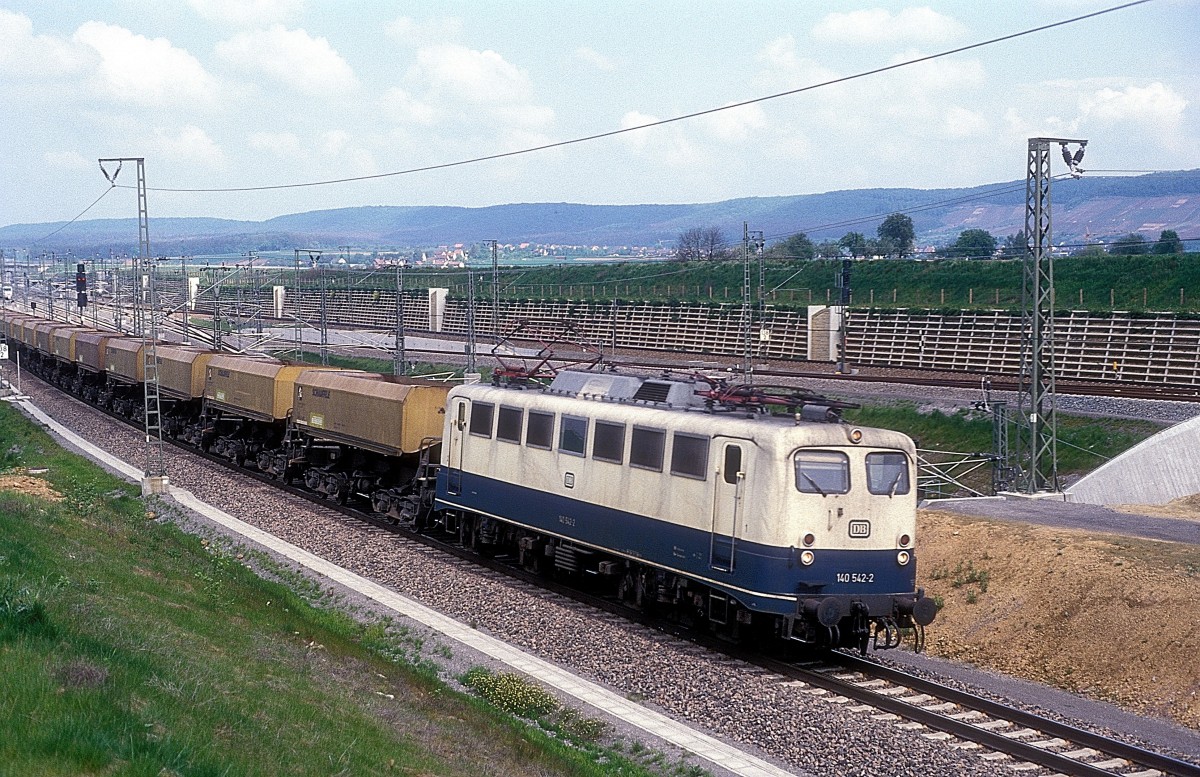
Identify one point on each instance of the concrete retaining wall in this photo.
(1157, 470)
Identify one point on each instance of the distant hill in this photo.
(1098, 208)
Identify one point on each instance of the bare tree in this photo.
(700, 244)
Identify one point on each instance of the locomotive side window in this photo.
(822, 472)
(508, 425)
(539, 430)
(689, 456)
(887, 473)
(733, 464)
(572, 435)
(609, 442)
(481, 418)
(646, 448)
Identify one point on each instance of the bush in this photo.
(511, 693)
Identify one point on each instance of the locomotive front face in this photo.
(851, 512)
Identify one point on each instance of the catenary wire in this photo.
(47, 236)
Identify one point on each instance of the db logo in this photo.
(860, 529)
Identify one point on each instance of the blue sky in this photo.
(220, 93)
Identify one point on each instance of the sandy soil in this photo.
(28, 484)
(1110, 617)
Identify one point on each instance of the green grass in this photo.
(128, 647)
(384, 366)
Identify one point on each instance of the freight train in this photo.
(686, 496)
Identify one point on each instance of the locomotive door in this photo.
(728, 501)
(454, 462)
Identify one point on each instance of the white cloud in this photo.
(411, 32)
(959, 122)
(293, 57)
(594, 58)
(1153, 104)
(667, 145)
(26, 54)
(476, 90)
(399, 106)
(68, 160)
(283, 144)
(339, 145)
(137, 69)
(637, 139)
(878, 25)
(783, 68)
(925, 79)
(188, 144)
(735, 124)
(468, 74)
(247, 13)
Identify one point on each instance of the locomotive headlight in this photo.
(904, 540)
(902, 558)
(856, 436)
(809, 539)
(807, 558)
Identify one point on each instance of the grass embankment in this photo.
(129, 647)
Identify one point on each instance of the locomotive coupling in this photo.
(827, 611)
(922, 609)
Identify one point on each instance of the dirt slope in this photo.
(1112, 618)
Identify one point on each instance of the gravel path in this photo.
(1070, 515)
(784, 723)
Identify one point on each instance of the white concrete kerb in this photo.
(654, 723)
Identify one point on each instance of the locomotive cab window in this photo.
(887, 473)
(539, 430)
(608, 443)
(508, 425)
(481, 418)
(646, 448)
(822, 472)
(689, 456)
(572, 435)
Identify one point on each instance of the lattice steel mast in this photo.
(1037, 429)
(145, 323)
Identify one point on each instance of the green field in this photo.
(1102, 283)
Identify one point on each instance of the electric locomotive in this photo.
(688, 497)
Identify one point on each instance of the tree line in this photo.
(895, 238)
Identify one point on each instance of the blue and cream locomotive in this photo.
(797, 526)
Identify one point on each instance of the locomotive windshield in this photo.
(822, 472)
(887, 473)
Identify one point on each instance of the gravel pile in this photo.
(785, 723)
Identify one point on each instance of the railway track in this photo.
(1018, 739)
